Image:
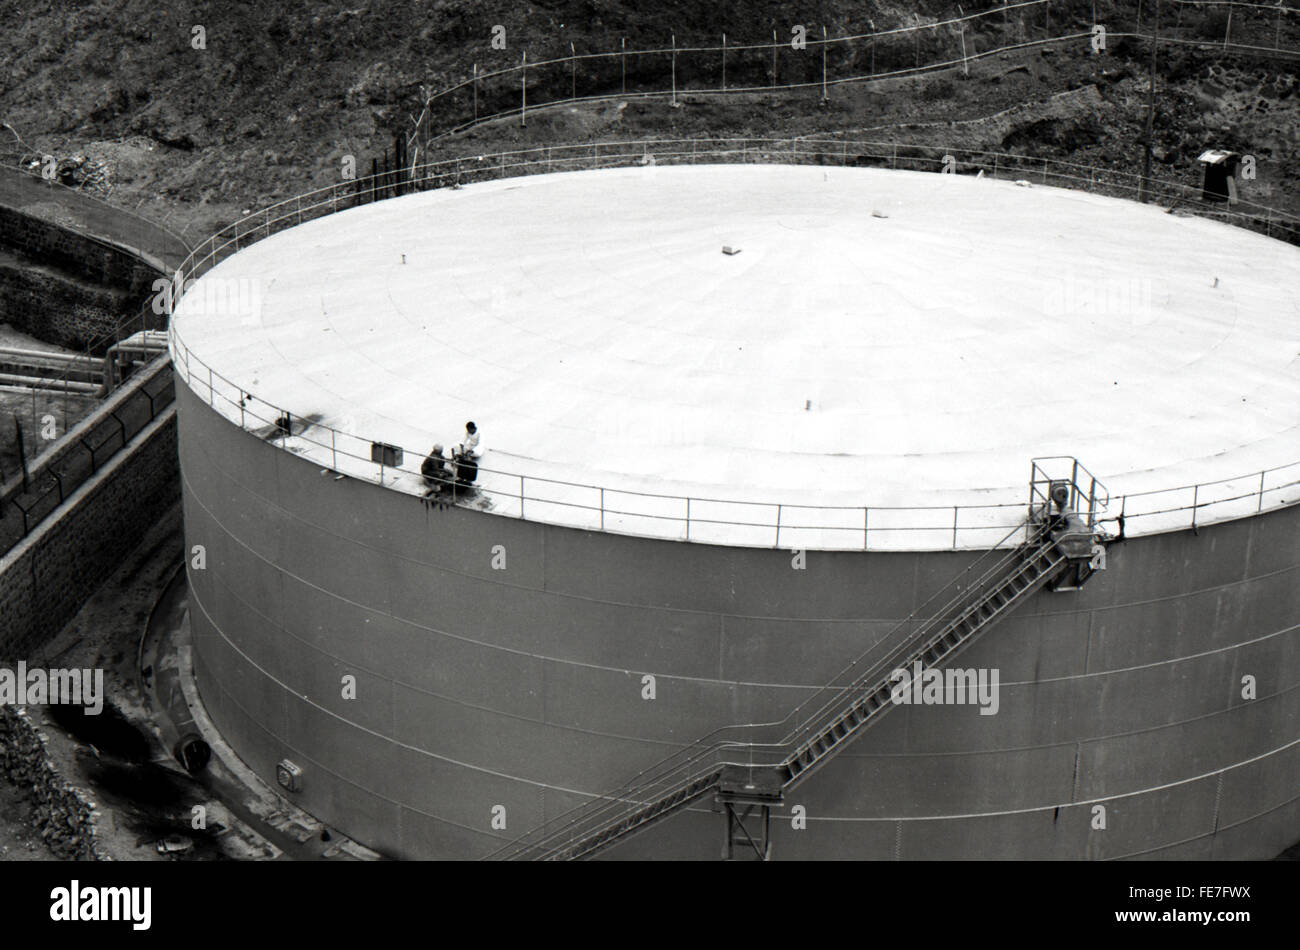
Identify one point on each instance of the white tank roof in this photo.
(879, 338)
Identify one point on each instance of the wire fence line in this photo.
(815, 60)
(706, 519)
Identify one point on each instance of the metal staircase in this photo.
(752, 766)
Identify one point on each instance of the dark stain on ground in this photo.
(108, 731)
(150, 799)
(142, 783)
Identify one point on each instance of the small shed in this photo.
(1220, 182)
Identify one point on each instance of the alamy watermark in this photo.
(52, 687)
(951, 687)
(1084, 294)
(211, 297)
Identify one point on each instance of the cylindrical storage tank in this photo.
(708, 482)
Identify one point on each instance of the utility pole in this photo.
(1145, 185)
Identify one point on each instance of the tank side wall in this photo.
(499, 666)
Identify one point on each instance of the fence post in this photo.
(825, 94)
(724, 62)
(523, 90)
(965, 70)
(573, 68)
(475, 81)
(774, 59)
(674, 69)
(622, 58)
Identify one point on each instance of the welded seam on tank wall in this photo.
(519, 779)
(672, 676)
(1205, 834)
(279, 740)
(385, 677)
(849, 753)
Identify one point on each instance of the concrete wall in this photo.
(522, 687)
(56, 307)
(46, 578)
(97, 261)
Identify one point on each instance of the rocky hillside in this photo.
(197, 112)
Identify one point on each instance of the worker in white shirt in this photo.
(470, 446)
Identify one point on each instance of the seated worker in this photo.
(435, 471)
(466, 470)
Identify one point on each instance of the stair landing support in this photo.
(747, 795)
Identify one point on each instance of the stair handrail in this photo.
(1097, 495)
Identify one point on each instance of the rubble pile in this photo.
(64, 816)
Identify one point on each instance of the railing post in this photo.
(688, 517)
(334, 453)
(1196, 492)
(602, 509)
(778, 525)
(1261, 493)
(954, 527)
(521, 496)
(210, 390)
(864, 528)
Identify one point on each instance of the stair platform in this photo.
(760, 785)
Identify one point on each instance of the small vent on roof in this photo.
(728, 249)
